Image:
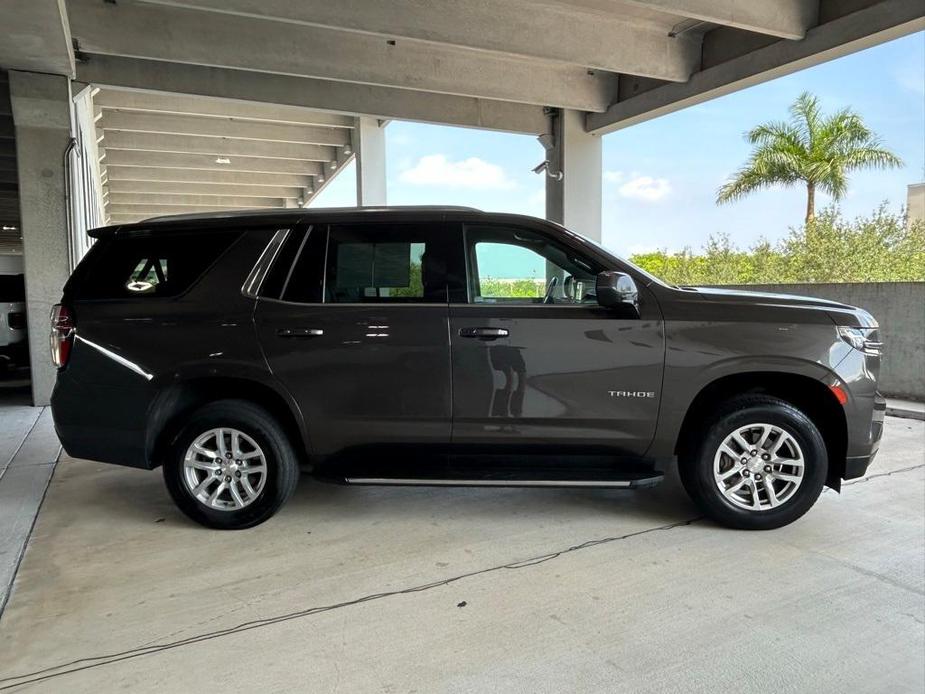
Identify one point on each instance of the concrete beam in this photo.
(222, 127)
(329, 171)
(369, 146)
(237, 201)
(205, 163)
(786, 19)
(513, 27)
(183, 105)
(207, 205)
(245, 43)
(117, 187)
(574, 199)
(868, 27)
(36, 37)
(342, 97)
(216, 146)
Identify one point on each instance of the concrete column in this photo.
(575, 200)
(369, 145)
(42, 118)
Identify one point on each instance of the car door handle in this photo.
(484, 333)
(300, 332)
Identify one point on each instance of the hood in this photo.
(840, 314)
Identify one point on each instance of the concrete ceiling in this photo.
(274, 86)
(162, 153)
(481, 63)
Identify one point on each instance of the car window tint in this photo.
(162, 265)
(386, 263)
(304, 283)
(518, 266)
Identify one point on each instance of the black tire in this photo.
(696, 464)
(262, 427)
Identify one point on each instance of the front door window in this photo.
(511, 266)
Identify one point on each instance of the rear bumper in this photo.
(102, 423)
(102, 444)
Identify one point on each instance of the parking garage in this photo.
(114, 112)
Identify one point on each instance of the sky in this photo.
(660, 177)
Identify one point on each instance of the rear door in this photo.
(537, 361)
(358, 333)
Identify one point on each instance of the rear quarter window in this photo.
(159, 265)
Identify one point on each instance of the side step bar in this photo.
(629, 482)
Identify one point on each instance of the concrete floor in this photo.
(356, 589)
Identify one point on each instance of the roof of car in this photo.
(271, 216)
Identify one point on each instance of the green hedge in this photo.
(878, 248)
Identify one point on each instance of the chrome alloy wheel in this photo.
(758, 467)
(224, 469)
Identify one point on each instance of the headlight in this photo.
(860, 339)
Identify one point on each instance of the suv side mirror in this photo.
(617, 289)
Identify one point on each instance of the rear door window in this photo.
(385, 263)
(160, 265)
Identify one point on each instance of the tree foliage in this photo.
(817, 150)
(879, 248)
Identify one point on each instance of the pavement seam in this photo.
(88, 662)
(99, 661)
(9, 462)
(25, 545)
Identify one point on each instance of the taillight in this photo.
(62, 335)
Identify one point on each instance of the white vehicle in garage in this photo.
(14, 349)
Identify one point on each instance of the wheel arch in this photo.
(810, 395)
(174, 403)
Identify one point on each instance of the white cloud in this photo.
(637, 186)
(437, 170)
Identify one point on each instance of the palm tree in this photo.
(815, 149)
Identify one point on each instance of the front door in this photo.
(537, 361)
(359, 335)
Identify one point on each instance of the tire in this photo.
(751, 416)
(259, 438)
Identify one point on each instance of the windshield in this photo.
(648, 275)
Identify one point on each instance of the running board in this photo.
(628, 482)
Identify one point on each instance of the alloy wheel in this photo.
(759, 467)
(224, 469)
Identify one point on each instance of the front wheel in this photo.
(232, 466)
(761, 464)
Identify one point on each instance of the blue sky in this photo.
(660, 177)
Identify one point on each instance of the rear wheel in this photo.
(761, 464)
(232, 466)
